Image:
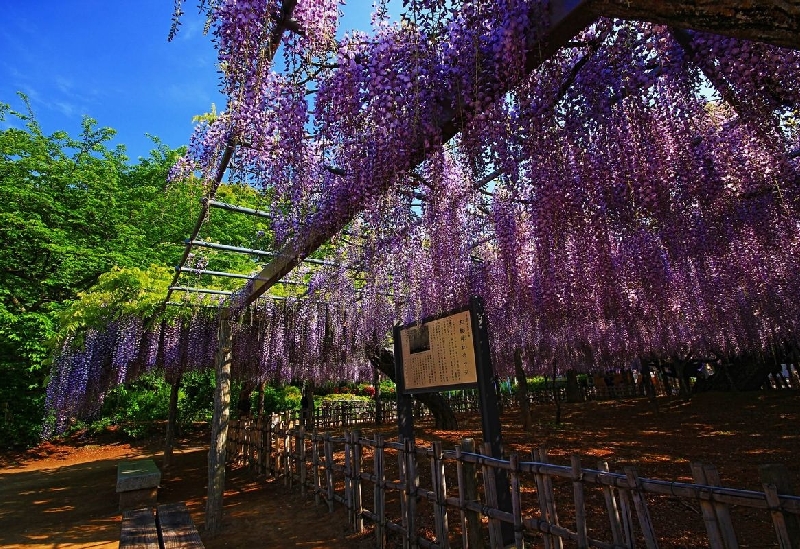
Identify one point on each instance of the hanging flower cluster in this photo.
(635, 195)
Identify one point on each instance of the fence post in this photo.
(300, 446)
(547, 500)
(440, 491)
(516, 501)
(580, 504)
(641, 508)
(611, 505)
(329, 470)
(721, 510)
(412, 484)
(709, 516)
(287, 441)
(357, 506)
(775, 478)
(380, 493)
(315, 465)
(490, 492)
(348, 478)
(468, 491)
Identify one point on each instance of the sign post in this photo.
(446, 353)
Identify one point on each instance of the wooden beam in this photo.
(773, 21)
(568, 17)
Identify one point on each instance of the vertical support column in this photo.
(219, 428)
(490, 412)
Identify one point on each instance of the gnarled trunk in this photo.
(443, 415)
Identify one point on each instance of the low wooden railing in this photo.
(432, 497)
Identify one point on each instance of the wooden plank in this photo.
(709, 516)
(611, 506)
(642, 512)
(490, 493)
(176, 527)
(516, 501)
(380, 492)
(358, 508)
(329, 471)
(778, 520)
(138, 530)
(440, 491)
(468, 492)
(721, 510)
(580, 502)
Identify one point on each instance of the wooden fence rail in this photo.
(444, 503)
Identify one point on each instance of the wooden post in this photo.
(490, 492)
(627, 518)
(641, 508)
(172, 420)
(547, 500)
(285, 452)
(219, 429)
(315, 466)
(580, 504)
(516, 500)
(301, 460)
(440, 490)
(329, 470)
(468, 491)
(709, 516)
(380, 493)
(357, 504)
(611, 506)
(348, 477)
(775, 478)
(412, 484)
(721, 510)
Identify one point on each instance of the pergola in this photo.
(769, 21)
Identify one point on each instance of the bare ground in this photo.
(61, 495)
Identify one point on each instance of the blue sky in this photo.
(110, 60)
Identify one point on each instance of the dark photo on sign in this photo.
(419, 339)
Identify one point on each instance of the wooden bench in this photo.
(169, 527)
(137, 484)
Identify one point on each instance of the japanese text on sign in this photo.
(439, 353)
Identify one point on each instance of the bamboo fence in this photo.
(439, 498)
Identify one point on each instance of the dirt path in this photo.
(62, 495)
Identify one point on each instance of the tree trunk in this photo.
(261, 388)
(376, 384)
(556, 396)
(522, 391)
(219, 430)
(172, 420)
(574, 393)
(443, 415)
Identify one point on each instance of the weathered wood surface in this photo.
(177, 528)
(138, 530)
(775, 22)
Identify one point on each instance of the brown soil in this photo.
(62, 494)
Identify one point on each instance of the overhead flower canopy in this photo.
(630, 190)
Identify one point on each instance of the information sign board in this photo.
(439, 354)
